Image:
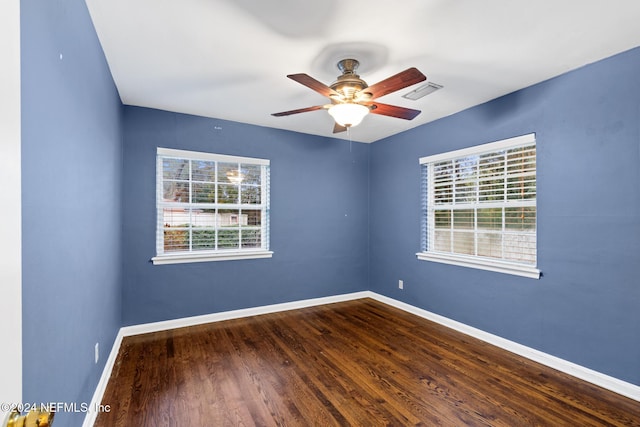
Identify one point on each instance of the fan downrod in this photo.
(348, 66)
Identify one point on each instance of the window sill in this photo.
(482, 263)
(205, 257)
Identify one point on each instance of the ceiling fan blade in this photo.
(338, 128)
(393, 111)
(310, 82)
(300, 110)
(396, 82)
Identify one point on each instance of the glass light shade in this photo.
(348, 115)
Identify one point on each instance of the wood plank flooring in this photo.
(358, 363)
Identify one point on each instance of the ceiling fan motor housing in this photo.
(349, 83)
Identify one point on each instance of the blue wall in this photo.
(71, 184)
(319, 219)
(345, 217)
(585, 307)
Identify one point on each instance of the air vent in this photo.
(423, 90)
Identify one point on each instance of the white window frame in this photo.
(428, 253)
(188, 256)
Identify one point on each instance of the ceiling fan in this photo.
(351, 97)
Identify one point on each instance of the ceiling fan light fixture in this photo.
(348, 114)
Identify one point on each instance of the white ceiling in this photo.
(228, 58)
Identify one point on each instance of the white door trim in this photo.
(10, 214)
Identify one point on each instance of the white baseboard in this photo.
(237, 314)
(145, 328)
(623, 388)
(92, 414)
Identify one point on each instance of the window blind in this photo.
(481, 202)
(210, 203)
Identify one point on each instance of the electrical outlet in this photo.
(97, 352)
(400, 284)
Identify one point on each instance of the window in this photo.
(210, 207)
(479, 207)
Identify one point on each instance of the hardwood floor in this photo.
(359, 363)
